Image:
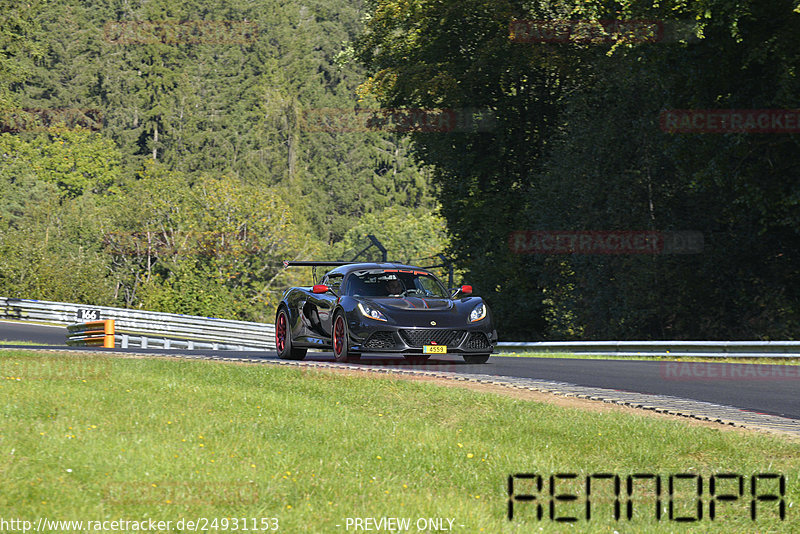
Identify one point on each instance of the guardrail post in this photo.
(108, 340)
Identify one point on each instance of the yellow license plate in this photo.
(434, 349)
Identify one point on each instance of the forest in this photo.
(169, 155)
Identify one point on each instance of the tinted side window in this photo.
(333, 281)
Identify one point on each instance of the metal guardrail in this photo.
(125, 341)
(137, 328)
(705, 349)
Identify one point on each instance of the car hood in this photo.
(412, 303)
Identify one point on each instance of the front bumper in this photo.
(471, 339)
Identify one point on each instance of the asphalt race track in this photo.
(47, 335)
(765, 389)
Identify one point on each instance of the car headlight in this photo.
(370, 313)
(478, 313)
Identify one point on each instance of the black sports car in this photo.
(382, 307)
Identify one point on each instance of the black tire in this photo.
(283, 338)
(416, 359)
(341, 340)
(476, 358)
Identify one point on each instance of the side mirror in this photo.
(319, 288)
(463, 290)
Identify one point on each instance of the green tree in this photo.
(408, 236)
(230, 108)
(50, 247)
(76, 160)
(18, 48)
(166, 235)
(458, 55)
(739, 190)
(578, 146)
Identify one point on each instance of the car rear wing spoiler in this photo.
(317, 263)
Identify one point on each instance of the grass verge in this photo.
(88, 437)
(15, 342)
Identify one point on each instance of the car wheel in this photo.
(416, 359)
(341, 342)
(283, 338)
(476, 358)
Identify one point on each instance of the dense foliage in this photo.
(156, 154)
(169, 154)
(578, 146)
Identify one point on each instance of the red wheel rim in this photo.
(280, 332)
(338, 336)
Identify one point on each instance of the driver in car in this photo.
(394, 287)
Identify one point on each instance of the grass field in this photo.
(94, 438)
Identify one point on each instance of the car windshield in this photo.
(395, 283)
